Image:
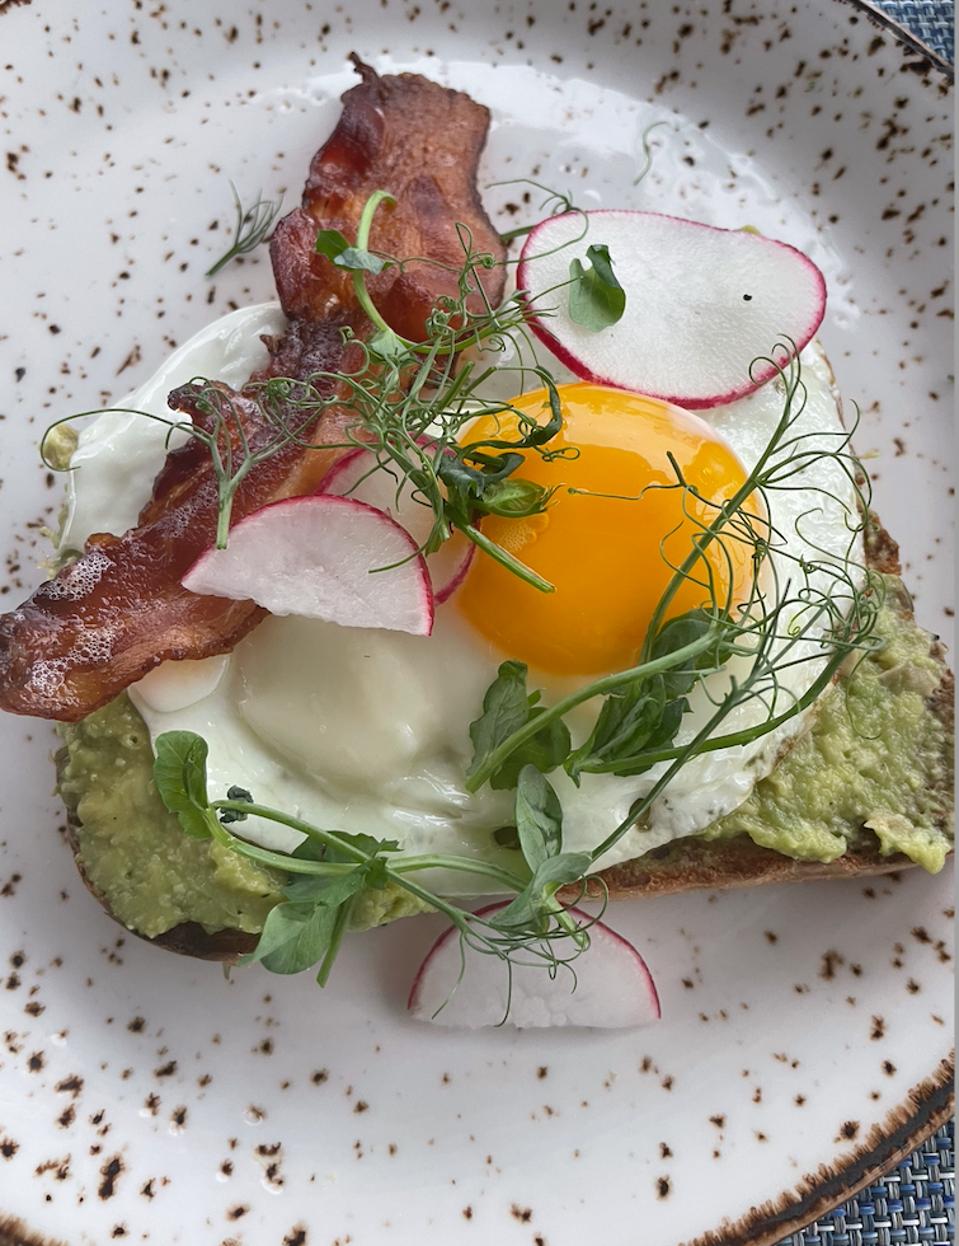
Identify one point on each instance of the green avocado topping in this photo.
(873, 766)
(134, 855)
(875, 761)
(132, 851)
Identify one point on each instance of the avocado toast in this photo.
(863, 788)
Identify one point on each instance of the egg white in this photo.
(366, 730)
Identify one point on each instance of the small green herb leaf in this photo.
(684, 630)
(662, 736)
(312, 850)
(506, 837)
(515, 498)
(365, 843)
(329, 891)
(506, 708)
(179, 772)
(539, 817)
(532, 907)
(566, 867)
(627, 719)
(301, 931)
(596, 299)
(357, 259)
(294, 937)
(385, 344)
(332, 244)
(378, 874)
(546, 750)
(309, 850)
(646, 715)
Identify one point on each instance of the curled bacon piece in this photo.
(420, 142)
(107, 619)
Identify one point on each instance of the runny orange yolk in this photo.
(608, 558)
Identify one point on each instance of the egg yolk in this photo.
(608, 557)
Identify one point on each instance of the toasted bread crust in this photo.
(718, 865)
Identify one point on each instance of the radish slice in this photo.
(701, 303)
(612, 989)
(352, 476)
(317, 557)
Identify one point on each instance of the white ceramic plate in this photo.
(805, 1039)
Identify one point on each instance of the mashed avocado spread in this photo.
(875, 761)
(134, 855)
(872, 767)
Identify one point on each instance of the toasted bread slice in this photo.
(684, 865)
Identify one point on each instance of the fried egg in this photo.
(367, 730)
(615, 528)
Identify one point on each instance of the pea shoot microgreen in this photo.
(329, 869)
(414, 403)
(555, 203)
(518, 740)
(821, 612)
(332, 244)
(507, 707)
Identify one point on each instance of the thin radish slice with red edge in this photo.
(320, 557)
(612, 987)
(357, 475)
(702, 303)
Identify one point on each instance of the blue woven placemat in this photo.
(933, 21)
(917, 1202)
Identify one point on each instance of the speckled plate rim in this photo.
(928, 1105)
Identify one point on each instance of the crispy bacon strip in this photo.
(421, 143)
(119, 610)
